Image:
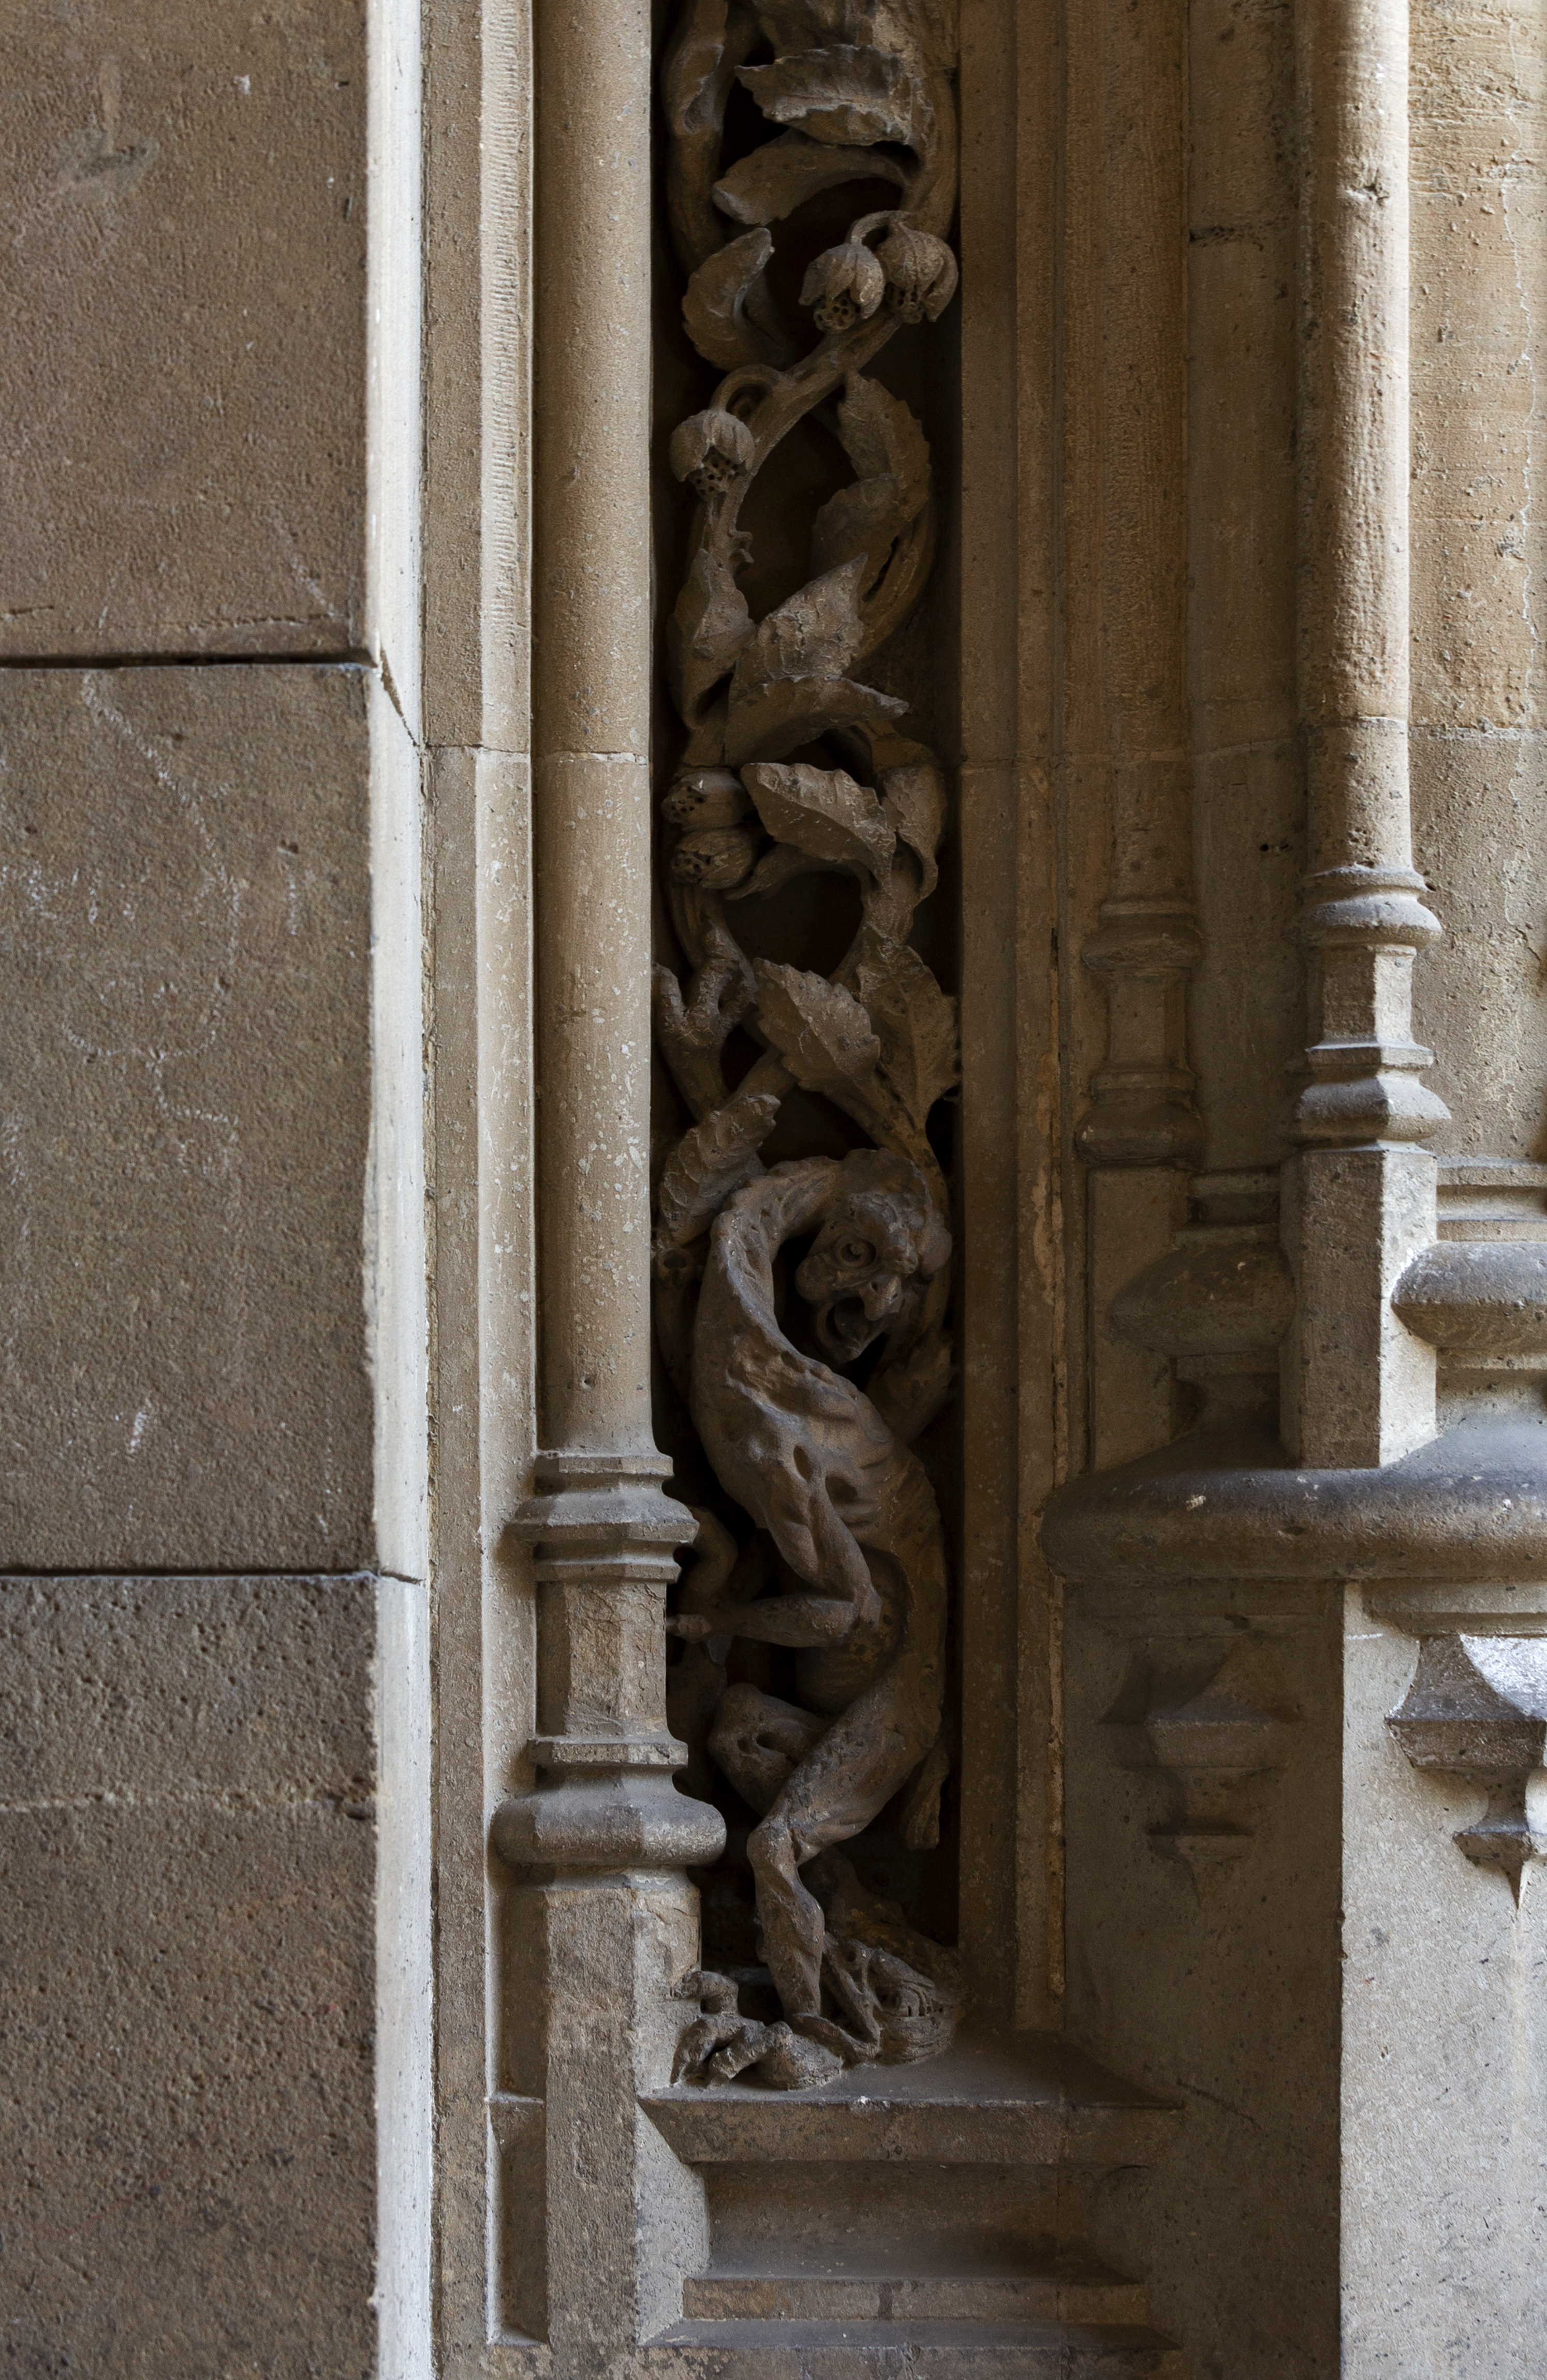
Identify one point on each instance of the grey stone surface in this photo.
(187, 2111)
(1445, 2059)
(185, 1091)
(186, 1978)
(246, 1688)
(183, 379)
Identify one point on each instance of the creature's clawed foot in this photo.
(720, 2045)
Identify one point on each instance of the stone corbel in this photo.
(1215, 1718)
(1477, 1708)
(1220, 1302)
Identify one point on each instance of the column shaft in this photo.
(592, 706)
(1359, 1388)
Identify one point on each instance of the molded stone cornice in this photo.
(1231, 1505)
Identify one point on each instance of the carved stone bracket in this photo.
(1477, 1709)
(1215, 1718)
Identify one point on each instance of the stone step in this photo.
(940, 2351)
(1061, 2292)
(1025, 2099)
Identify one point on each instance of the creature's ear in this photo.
(935, 1252)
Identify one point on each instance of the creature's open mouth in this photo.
(844, 1329)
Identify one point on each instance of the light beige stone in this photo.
(187, 1781)
(184, 378)
(1444, 2057)
(186, 1088)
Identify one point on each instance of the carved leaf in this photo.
(790, 713)
(710, 1163)
(810, 24)
(778, 867)
(865, 519)
(914, 800)
(932, 26)
(815, 634)
(707, 630)
(879, 435)
(820, 1031)
(887, 448)
(843, 94)
(774, 180)
(695, 70)
(787, 687)
(914, 1020)
(720, 296)
(823, 813)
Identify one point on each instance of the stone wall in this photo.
(188, 1765)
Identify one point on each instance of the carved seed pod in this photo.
(712, 450)
(714, 857)
(920, 272)
(704, 798)
(844, 285)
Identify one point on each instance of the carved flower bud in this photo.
(712, 450)
(845, 285)
(706, 797)
(921, 271)
(714, 857)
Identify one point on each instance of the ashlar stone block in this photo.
(186, 2151)
(183, 377)
(240, 1688)
(185, 1086)
(186, 2005)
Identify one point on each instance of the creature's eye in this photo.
(856, 1252)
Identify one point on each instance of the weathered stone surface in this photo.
(244, 1687)
(186, 1976)
(186, 1083)
(184, 379)
(1444, 2058)
(186, 2113)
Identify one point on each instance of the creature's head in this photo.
(901, 2014)
(879, 1236)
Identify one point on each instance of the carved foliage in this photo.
(794, 766)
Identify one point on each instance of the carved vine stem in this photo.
(794, 766)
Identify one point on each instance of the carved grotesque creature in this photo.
(849, 1508)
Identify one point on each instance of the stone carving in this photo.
(1216, 1718)
(1221, 1299)
(1477, 1709)
(793, 767)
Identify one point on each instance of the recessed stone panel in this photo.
(184, 1092)
(183, 376)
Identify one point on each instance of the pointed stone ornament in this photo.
(1477, 1710)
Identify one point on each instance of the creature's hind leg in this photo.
(758, 1741)
(849, 1774)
